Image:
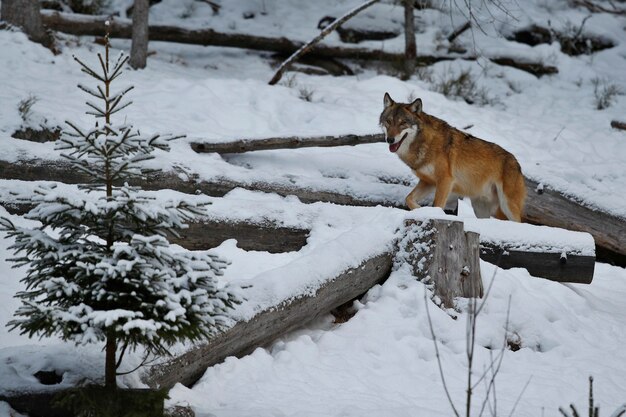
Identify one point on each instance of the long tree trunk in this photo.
(139, 48)
(26, 15)
(410, 49)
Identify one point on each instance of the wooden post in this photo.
(441, 253)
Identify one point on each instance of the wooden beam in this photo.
(271, 237)
(553, 266)
(547, 207)
(292, 142)
(269, 324)
(266, 237)
(551, 208)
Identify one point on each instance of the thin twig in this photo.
(443, 378)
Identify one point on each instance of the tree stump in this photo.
(443, 254)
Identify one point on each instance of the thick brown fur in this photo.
(449, 161)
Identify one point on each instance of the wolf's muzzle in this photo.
(390, 140)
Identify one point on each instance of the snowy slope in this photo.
(381, 362)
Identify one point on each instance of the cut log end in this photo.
(441, 253)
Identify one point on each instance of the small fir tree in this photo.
(100, 268)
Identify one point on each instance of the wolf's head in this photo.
(400, 122)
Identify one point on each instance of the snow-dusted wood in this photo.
(247, 145)
(547, 207)
(443, 254)
(410, 48)
(90, 25)
(269, 324)
(139, 46)
(271, 237)
(250, 236)
(439, 250)
(26, 15)
(553, 266)
(551, 208)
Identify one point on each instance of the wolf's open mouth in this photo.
(395, 146)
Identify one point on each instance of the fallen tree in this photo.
(543, 254)
(83, 25)
(292, 142)
(460, 279)
(547, 207)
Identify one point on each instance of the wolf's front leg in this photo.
(444, 186)
(420, 191)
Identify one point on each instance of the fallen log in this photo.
(535, 68)
(548, 207)
(568, 258)
(247, 145)
(83, 25)
(269, 324)
(455, 273)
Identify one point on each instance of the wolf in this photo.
(452, 162)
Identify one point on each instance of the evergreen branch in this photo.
(104, 69)
(116, 98)
(87, 70)
(73, 126)
(92, 92)
(101, 113)
(113, 111)
(117, 70)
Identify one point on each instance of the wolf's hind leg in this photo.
(421, 190)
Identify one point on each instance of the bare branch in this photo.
(328, 29)
(438, 356)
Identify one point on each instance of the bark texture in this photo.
(26, 15)
(139, 48)
(410, 48)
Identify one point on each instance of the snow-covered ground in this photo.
(382, 361)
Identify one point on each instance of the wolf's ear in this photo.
(388, 101)
(416, 106)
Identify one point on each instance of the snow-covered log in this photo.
(83, 25)
(270, 323)
(543, 206)
(452, 266)
(556, 254)
(247, 145)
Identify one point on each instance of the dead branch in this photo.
(597, 8)
(327, 30)
(247, 145)
(459, 31)
(616, 124)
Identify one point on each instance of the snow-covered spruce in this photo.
(100, 266)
